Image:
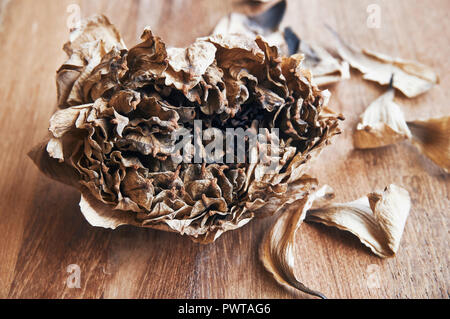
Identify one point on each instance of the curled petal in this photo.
(432, 138)
(277, 250)
(378, 219)
(411, 78)
(383, 123)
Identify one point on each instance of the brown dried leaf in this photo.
(378, 219)
(411, 78)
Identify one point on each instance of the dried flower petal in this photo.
(89, 43)
(378, 219)
(383, 123)
(411, 78)
(277, 249)
(324, 67)
(432, 138)
(265, 24)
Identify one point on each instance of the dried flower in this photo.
(411, 78)
(114, 138)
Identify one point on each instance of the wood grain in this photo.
(42, 230)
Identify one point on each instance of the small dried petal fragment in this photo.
(383, 123)
(265, 24)
(277, 249)
(432, 138)
(325, 68)
(411, 78)
(377, 219)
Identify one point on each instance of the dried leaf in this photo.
(277, 249)
(378, 219)
(411, 78)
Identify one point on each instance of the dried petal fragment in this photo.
(411, 78)
(265, 24)
(381, 124)
(432, 138)
(324, 67)
(277, 249)
(378, 219)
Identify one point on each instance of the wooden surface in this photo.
(42, 230)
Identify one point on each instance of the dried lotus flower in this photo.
(383, 123)
(378, 219)
(117, 145)
(411, 78)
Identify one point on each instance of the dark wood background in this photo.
(42, 230)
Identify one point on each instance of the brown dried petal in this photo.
(411, 78)
(377, 220)
(89, 43)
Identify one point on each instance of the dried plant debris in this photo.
(277, 249)
(265, 24)
(325, 68)
(383, 123)
(114, 138)
(378, 219)
(411, 78)
(432, 138)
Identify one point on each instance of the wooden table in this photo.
(42, 230)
